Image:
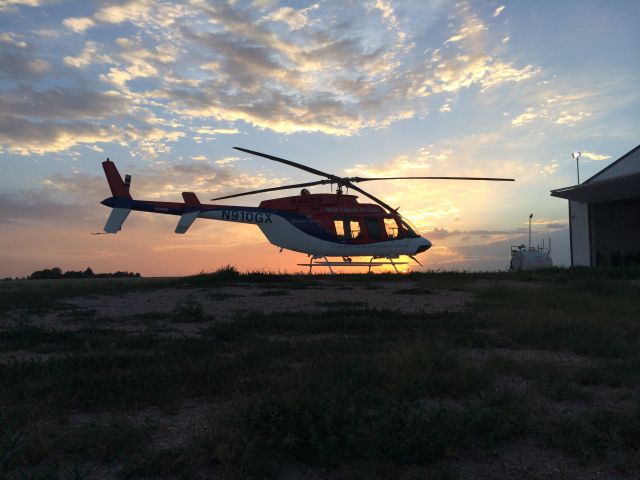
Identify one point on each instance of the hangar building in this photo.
(604, 214)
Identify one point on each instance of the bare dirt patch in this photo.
(222, 303)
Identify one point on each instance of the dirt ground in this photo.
(221, 304)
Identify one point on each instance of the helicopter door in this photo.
(373, 228)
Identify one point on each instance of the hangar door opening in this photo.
(615, 232)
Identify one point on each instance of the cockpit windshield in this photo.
(406, 223)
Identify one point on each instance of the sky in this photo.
(378, 87)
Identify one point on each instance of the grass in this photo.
(530, 358)
(600, 436)
(188, 310)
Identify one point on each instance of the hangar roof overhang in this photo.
(618, 188)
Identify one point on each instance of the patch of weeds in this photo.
(565, 317)
(46, 295)
(217, 296)
(414, 291)
(104, 441)
(9, 448)
(292, 285)
(167, 462)
(89, 341)
(602, 435)
(77, 315)
(344, 287)
(25, 447)
(338, 304)
(178, 368)
(553, 380)
(274, 293)
(427, 368)
(53, 472)
(611, 372)
(335, 414)
(228, 273)
(187, 309)
(458, 327)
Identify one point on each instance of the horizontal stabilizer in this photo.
(116, 219)
(186, 220)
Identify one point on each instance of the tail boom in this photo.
(122, 204)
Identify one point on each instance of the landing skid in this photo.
(316, 262)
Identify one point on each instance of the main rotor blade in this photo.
(368, 179)
(377, 200)
(273, 189)
(290, 163)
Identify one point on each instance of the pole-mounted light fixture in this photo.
(577, 155)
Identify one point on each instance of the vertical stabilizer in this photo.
(117, 186)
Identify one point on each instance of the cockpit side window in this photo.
(408, 228)
(338, 223)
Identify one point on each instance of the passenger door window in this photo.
(355, 229)
(391, 227)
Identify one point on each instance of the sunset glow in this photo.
(374, 88)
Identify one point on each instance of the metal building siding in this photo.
(579, 224)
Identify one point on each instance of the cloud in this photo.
(549, 169)
(12, 39)
(8, 5)
(62, 103)
(441, 233)
(126, 11)
(227, 160)
(556, 226)
(20, 63)
(295, 19)
(217, 131)
(595, 156)
(571, 118)
(25, 137)
(78, 24)
(88, 56)
(472, 26)
(498, 11)
(526, 117)
(280, 69)
(446, 107)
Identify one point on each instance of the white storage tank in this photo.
(523, 258)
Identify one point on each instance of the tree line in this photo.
(56, 273)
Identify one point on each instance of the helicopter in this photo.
(320, 225)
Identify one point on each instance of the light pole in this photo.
(576, 155)
(530, 217)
